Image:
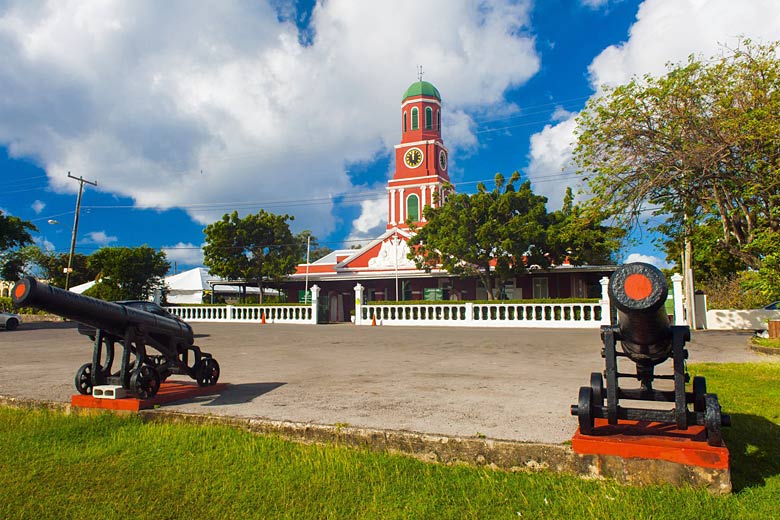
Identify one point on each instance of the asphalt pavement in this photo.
(514, 384)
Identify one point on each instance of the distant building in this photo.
(382, 267)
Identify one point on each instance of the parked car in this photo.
(9, 320)
(150, 307)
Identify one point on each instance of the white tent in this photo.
(78, 289)
(189, 286)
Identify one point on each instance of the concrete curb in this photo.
(493, 453)
(765, 350)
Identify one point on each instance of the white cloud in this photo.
(144, 96)
(38, 206)
(43, 243)
(372, 220)
(664, 31)
(550, 169)
(648, 259)
(561, 114)
(667, 31)
(184, 254)
(594, 4)
(98, 237)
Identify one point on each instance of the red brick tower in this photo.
(421, 158)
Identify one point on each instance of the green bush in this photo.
(735, 291)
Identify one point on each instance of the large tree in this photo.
(696, 143)
(256, 248)
(14, 233)
(492, 235)
(51, 266)
(580, 236)
(128, 273)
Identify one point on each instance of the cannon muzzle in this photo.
(111, 317)
(638, 291)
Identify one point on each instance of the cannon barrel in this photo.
(638, 291)
(110, 317)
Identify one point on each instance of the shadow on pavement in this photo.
(243, 393)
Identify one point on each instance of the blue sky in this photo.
(183, 111)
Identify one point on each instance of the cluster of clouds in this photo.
(665, 31)
(186, 104)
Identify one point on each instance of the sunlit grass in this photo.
(107, 466)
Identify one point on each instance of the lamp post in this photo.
(75, 226)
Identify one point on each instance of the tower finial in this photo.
(420, 72)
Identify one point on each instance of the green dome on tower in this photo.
(421, 88)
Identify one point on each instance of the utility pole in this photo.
(75, 226)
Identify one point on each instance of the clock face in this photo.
(413, 157)
(443, 160)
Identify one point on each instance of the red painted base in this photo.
(169, 391)
(662, 441)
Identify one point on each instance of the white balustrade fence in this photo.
(299, 314)
(516, 314)
(538, 315)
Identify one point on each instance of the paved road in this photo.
(504, 383)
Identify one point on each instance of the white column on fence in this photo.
(604, 302)
(315, 294)
(358, 304)
(677, 293)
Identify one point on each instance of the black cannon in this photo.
(638, 293)
(139, 372)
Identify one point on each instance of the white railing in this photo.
(537, 315)
(299, 314)
(516, 314)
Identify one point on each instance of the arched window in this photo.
(413, 208)
(438, 120)
(404, 121)
(415, 119)
(428, 118)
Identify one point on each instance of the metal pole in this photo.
(306, 290)
(75, 226)
(395, 254)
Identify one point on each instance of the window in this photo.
(540, 288)
(415, 119)
(404, 121)
(413, 208)
(438, 120)
(428, 118)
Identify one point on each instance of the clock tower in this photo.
(421, 159)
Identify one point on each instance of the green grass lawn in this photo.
(767, 342)
(107, 466)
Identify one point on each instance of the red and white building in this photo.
(382, 267)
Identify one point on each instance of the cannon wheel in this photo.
(585, 410)
(712, 420)
(597, 385)
(207, 372)
(83, 379)
(699, 390)
(145, 382)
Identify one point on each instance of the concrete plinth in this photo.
(652, 453)
(169, 392)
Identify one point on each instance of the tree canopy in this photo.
(14, 233)
(492, 235)
(697, 145)
(255, 248)
(127, 273)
